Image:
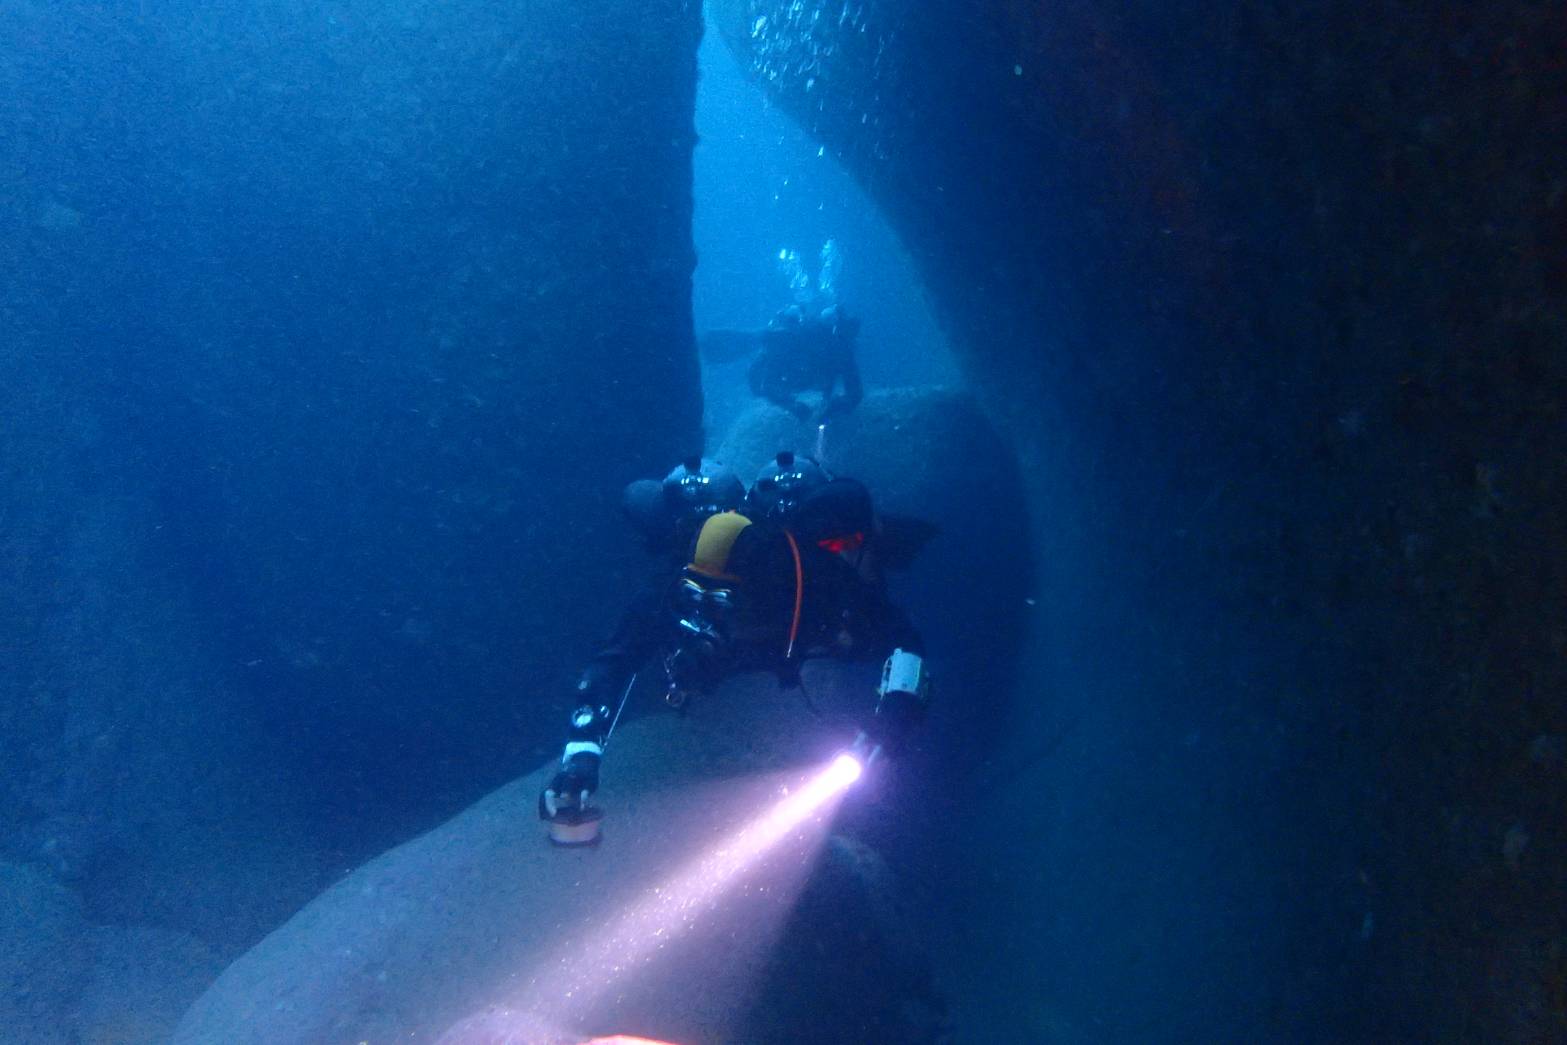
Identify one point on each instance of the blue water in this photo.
(330, 333)
(762, 186)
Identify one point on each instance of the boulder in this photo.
(636, 935)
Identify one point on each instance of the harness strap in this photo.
(799, 593)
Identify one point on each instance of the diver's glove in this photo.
(578, 776)
(570, 788)
(900, 704)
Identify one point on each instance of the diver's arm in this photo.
(578, 776)
(599, 691)
(889, 626)
(632, 644)
(904, 691)
(902, 698)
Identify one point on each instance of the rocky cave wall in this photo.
(1271, 299)
(328, 335)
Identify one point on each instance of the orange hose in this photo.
(799, 594)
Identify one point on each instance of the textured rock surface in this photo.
(45, 956)
(142, 981)
(482, 914)
(1271, 299)
(65, 980)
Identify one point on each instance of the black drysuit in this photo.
(840, 615)
(811, 355)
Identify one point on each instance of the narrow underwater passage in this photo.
(763, 187)
(331, 333)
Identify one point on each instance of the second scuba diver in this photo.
(758, 581)
(799, 352)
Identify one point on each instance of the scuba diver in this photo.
(807, 347)
(788, 575)
(802, 353)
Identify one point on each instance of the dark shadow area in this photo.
(329, 338)
(1268, 299)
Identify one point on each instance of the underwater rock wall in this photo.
(130, 770)
(328, 336)
(1271, 299)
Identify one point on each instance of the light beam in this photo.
(592, 965)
